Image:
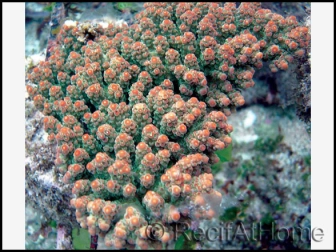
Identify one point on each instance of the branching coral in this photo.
(138, 112)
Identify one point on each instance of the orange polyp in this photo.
(77, 153)
(199, 200)
(202, 147)
(248, 51)
(92, 88)
(128, 189)
(182, 128)
(62, 103)
(135, 221)
(212, 102)
(175, 147)
(162, 139)
(175, 216)
(77, 104)
(76, 167)
(129, 211)
(154, 60)
(118, 164)
(166, 22)
(300, 52)
(137, 44)
(144, 74)
(209, 51)
(126, 170)
(87, 115)
(156, 71)
(95, 115)
(113, 106)
(99, 158)
(171, 51)
(284, 65)
(186, 177)
(189, 56)
(65, 148)
(164, 178)
(275, 49)
(53, 89)
(176, 190)
(259, 55)
(207, 183)
(107, 210)
(190, 117)
(64, 131)
(187, 189)
(166, 82)
(89, 72)
(79, 203)
(220, 145)
(114, 87)
(227, 139)
(135, 92)
(110, 184)
(154, 201)
(95, 206)
(104, 226)
(123, 137)
(78, 184)
(248, 75)
(73, 55)
(149, 157)
(225, 26)
(66, 118)
(90, 167)
(212, 126)
(122, 153)
(206, 133)
(194, 143)
(293, 45)
(105, 103)
(126, 75)
(189, 76)
(141, 146)
(304, 29)
(95, 184)
(86, 137)
(179, 68)
(120, 234)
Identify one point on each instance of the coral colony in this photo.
(138, 111)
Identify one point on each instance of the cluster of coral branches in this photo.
(139, 111)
